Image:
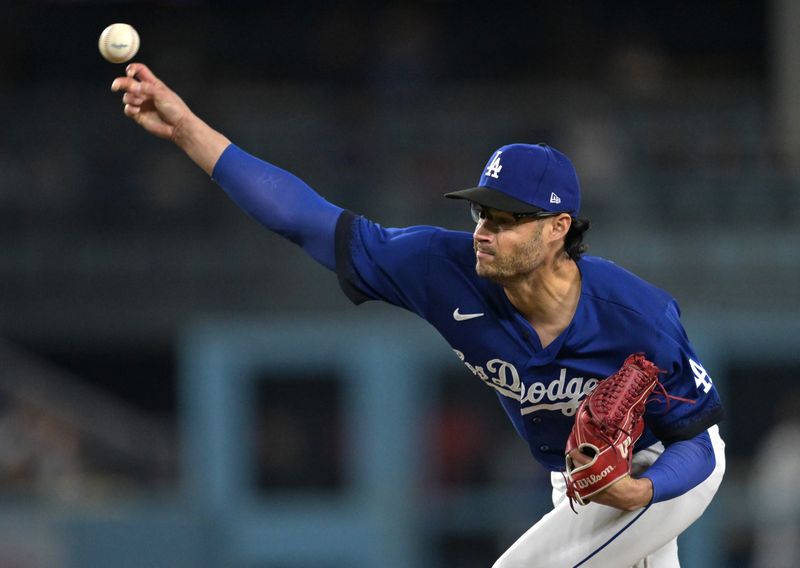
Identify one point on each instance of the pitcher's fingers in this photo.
(131, 85)
(141, 72)
(131, 110)
(136, 100)
(123, 84)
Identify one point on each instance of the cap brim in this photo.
(489, 197)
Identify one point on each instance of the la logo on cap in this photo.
(494, 167)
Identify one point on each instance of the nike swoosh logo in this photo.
(463, 317)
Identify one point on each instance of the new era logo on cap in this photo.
(525, 178)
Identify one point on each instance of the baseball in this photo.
(118, 43)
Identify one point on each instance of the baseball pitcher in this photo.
(590, 363)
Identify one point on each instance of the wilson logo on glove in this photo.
(592, 479)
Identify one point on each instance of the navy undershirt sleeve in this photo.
(280, 201)
(682, 466)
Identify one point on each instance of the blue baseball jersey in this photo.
(431, 272)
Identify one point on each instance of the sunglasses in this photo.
(504, 219)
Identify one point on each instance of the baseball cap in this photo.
(525, 178)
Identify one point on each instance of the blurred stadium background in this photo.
(180, 388)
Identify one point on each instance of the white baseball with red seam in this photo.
(118, 43)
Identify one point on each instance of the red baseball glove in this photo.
(607, 424)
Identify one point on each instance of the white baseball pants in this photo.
(604, 537)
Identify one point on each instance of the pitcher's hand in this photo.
(161, 112)
(148, 101)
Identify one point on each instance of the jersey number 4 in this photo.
(701, 378)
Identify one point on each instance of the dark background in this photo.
(112, 243)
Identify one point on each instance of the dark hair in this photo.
(573, 241)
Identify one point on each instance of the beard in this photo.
(514, 265)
